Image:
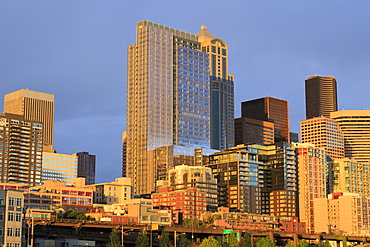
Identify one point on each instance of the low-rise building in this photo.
(115, 192)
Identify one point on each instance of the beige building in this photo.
(34, 106)
(116, 192)
(11, 214)
(342, 212)
(356, 130)
(325, 133)
(350, 176)
(59, 167)
(21, 146)
(311, 180)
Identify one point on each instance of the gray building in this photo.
(86, 167)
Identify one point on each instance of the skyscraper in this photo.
(324, 132)
(311, 180)
(271, 110)
(222, 90)
(34, 106)
(168, 96)
(321, 96)
(356, 131)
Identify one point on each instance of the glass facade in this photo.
(222, 91)
(193, 99)
(168, 98)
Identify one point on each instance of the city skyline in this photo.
(79, 55)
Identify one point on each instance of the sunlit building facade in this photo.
(356, 131)
(249, 130)
(240, 175)
(59, 167)
(168, 97)
(279, 193)
(191, 190)
(342, 212)
(321, 96)
(34, 106)
(324, 132)
(311, 163)
(271, 110)
(222, 90)
(21, 146)
(350, 176)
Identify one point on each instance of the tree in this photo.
(303, 243)
(231, 240)
(164, 241)
(326, 244)
(265, 242)
(114, 240)
(344, 241)
(289, 244)
(246, 240)
(142, 240)
(210, 242)
(183, 241)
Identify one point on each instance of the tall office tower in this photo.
(324, 133)
(59, 167)
(20, 150)
(356, 131)
(86, 167)
(249, 130)
(311, 180)
(279, 192)
(168, 96)
(350, 176)
(321, 96)
(34, 106)
(222, 90)
(239, 174)
(271, 110)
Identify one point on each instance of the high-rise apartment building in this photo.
(21, 147)
(222, 90)
(324, 133)
(168, 97)
(311, 180)
(350, 176)
(356, 131)
(321, 96)
(271, 110)
(59, 167)
(240, 178)
(279, 193)
(11, 205)
(34, 106)
(86, 167)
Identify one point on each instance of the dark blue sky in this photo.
(77, 50)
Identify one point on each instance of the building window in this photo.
(11, 201)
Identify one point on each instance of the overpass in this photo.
(100, 232)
